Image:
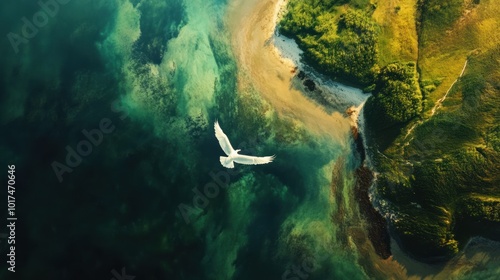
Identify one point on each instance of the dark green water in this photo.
(156, 75)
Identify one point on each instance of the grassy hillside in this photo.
(398, 40)
(446, 186)
(439, 165)
(451, 34)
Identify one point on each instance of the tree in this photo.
(397, 95)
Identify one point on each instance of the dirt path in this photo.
(442, 99)
(435, 108)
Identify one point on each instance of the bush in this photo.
(343, 46)
(397, 95)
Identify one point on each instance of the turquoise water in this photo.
(162, 72)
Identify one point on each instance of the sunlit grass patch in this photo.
(398, 36)
(444, 48)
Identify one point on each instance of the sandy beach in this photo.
(253, 24)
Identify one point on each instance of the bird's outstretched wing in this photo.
(243, 159)
(223, 140)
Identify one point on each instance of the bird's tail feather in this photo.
(226, 162)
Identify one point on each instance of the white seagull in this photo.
(232, 154)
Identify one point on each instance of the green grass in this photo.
(439, 136)
(447, 37)
(455, 160)
(442, 179)
(398, 40)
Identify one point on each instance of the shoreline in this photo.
(285, 52)
(347, 98)
(384, 250)
(252, 24)
(289, 52)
